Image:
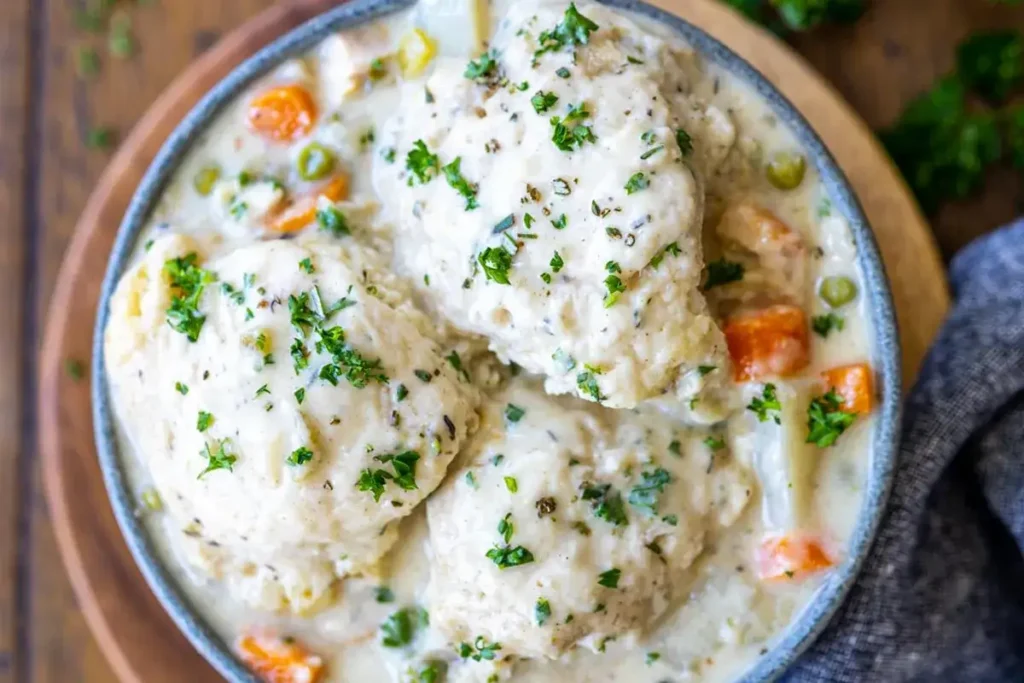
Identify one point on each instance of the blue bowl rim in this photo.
(886, 348)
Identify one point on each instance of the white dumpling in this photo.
(312, 387)
(579, 260)
(607, 512)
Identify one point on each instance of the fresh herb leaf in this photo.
(204, 421)
(217, 458)
(456, 363)
(333, 221)
(187, 281)
(714, 443)
(307, 265)
(400, 628)
(556, 263)
(606, 503)
(610, 578)
(638, 181)
(514, 413)
(823, 325)
(542, 611)
(543, 101)
(479, 650)
(826, 420)
(684, 141)
(468, 190)
(992, 63)
(722, 272)
(569, 133)
(483, 69)
(300, 456)
(767, 406)
(181, 388)
(652, 484)
(574, 29)
(421, 163)
(383, 594)
(496, 263)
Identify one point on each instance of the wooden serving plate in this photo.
(138, 638)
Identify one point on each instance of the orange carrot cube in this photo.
(785, 557)
(854, 384)
(282, 114)
(772, 342)
(278, 660)
(302, 211)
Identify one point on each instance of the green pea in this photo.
(837, 291)
(315, 161)
(205, 178)
(786, 171)
(151, 499)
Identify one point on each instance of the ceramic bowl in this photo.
(886, 349)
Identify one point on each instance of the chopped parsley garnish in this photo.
(766, 406)
(826, 420)
(423, 375)
(556, 263)
(684, 141)
(383, 594)
(652, 484)
(606, 503)
(714, 443)
(543, 101)
(204, 421)
(610, 578)
(187, 284)
(262, 390)
(722, 272)
(333, 221)
(563, 72)
(421, 163)
(586, 382)
(512, 485)
(401, 392)
(456, 363)
(638, 181)
(300, 456)
(823, 325)
(560, 222)
(300, 395)
(307, 265)
(514, 413)
(561, 186)
(651, 152)
(528, 220)
(504, 224)
(574, 29)
(506, 556)
(480, 649)
(671, 248)
(404, 465)
(483, 69)
(217, 458)
(652, 657)
(455, 179)
(496, 262)
(181, 388)
(399, 629)
(542, 611)
(346, 361)
(705, 370)
(388, 154)
(569, 133)
(675, 448)
(613, 283)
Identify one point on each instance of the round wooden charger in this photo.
(138, 638)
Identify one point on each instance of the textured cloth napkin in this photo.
(941, 596)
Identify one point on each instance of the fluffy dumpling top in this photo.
(546, 192)
(289, 402)
(571, 525)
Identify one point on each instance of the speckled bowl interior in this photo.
(885, 347)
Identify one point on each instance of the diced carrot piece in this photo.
(789, 557)
(302, 211)
(855, 384)
(772, 342)
(283, 113)
(278, 660)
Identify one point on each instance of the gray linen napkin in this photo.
(941, 596)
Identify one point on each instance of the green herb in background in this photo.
(941, 147)
(783, 16)
(992, 64)
(100, 138)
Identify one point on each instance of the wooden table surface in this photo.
(47, 171)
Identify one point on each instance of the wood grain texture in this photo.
(14, 95)
(132, 630)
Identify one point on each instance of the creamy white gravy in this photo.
(727, 617)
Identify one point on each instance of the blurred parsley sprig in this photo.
(784, 16)
(949, 136)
